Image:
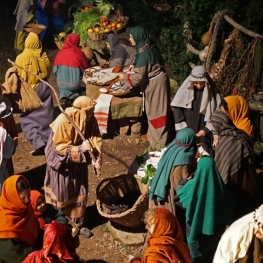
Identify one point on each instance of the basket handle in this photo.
(97, 24)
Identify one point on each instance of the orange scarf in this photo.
(238, 111)
(16, 219)
(34, 194)
(166, 243)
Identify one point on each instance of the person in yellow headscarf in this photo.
(35, 124)
(237, 109)
(66, 180)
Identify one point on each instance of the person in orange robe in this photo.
(18, 225)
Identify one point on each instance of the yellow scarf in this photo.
(81, 114)
(33, 59)
(238, 111)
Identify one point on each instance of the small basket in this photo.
(58, 43)
(110, 190)
(119, 19)
(117, 94)
(34, 27)
(97, 36)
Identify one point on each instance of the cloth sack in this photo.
(22, 97)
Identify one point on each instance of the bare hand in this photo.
(86, 146)
(201, 133)
(97, 164)
(215, 140)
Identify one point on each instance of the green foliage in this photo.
(83, 21)
(150, 171)
(169, 32)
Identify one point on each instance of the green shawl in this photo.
(146, 52)
(179, 152)
(207, 201)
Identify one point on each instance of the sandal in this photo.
(85, 232)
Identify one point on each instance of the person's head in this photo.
(185, 137)
(23, 190)
(198, 77)
(72, 41)
(124, 41)
(160, 222)
(85, 103)
(111, 41)
(258, 222)
(32, 41)
(139, 37)
(38, 201)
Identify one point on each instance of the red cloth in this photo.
(71, 55)
(57, 246)
(34, 194)
(166, 243)
(16, 219)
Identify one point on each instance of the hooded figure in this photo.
(193, 104)
(69, 66)
(149, 74)
(120, 55)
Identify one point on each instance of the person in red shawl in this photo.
(18, 225)
(58, 246)
(69, 66)
(166, 242)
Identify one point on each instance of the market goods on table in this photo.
(98, 76)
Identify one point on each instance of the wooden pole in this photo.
(97, 172)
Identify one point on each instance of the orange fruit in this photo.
(109, 26)
(119, 25)
(113, 28)
(113, 24)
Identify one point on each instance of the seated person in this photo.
(69, 66)
(45, 213)
(166, 242)
(18, 225)
(242, 241)
(57, 247)
(122, 53)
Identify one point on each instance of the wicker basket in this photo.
(97, 36)
(34, 27)
(119, 19)
(110, 190)
(59, 43)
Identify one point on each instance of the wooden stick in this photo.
(97, 172)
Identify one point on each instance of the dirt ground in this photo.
(118, 153)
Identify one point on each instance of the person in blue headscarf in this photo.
(173, 166)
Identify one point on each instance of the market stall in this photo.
(124, 110)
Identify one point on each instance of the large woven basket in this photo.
(34, 27)
(97, 36)
(110, 190)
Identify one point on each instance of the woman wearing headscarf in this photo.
(242, 241)
(174, 165)
(209, 209)
(237, 108)
(69, 66)
(193, 104)
(121, 55)
(166, 242)
(18, 225)
(24, 13)
(233, 158)
(66, 180)
(35, 124)
(148, 72)
(58, 246)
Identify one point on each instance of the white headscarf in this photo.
(2, 142)
(210, 99)
(237, 238)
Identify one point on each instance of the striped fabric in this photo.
(101, 111)
(232, 147)
(66, 182)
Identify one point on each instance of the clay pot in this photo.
(207, 36)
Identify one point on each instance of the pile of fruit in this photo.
(59, 39)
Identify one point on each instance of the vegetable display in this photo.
(104, 7)
(83, 21)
